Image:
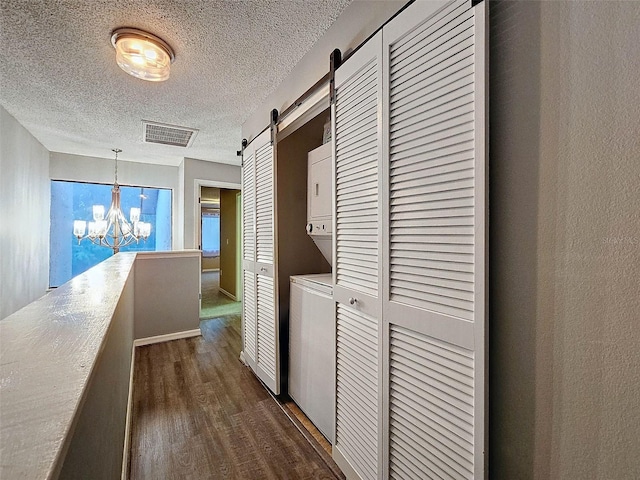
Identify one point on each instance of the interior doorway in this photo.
(220, 249)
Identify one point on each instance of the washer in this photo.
(312, 349)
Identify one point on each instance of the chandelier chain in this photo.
(117, 151)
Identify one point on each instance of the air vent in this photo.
(153, 132)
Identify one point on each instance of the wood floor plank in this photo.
(199, 413)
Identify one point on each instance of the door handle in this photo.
(353, 301)
(263, 269)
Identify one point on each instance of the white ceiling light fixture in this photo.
(142, 54)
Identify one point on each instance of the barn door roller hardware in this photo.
(273, 125)
(335, 60)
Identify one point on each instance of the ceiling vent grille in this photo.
(153, 132)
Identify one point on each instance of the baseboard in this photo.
(232, 297)
(344, 464)
(242, 357)
(167, 337)
(205, 270)
(127, 428)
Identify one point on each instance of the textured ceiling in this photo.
(59, 78)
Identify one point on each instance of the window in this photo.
(211, 233)
(74, 201)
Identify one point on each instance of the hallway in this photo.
(199, 413)
(214, 302)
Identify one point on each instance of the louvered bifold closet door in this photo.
(358, 148)
(264, 204)
(249, 318)
(267, 355)
(435, 240)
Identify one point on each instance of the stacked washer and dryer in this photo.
(312, 352)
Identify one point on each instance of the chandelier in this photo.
(113, 231)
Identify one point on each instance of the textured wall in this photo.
(565, 240)
(24, 216)
(211, 174)
(79, 168)
(228, 241)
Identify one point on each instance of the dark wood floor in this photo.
(199, 413)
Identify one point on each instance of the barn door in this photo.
(435, 240)
(249, 320)
(358, 148)
(261, 326)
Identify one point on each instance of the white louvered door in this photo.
(261, 337)
(268, 336)
(435, 240)
(249, 319)
(358, 147)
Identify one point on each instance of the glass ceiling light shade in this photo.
(142, 54)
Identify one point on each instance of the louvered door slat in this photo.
(423, 389)
(435, 126)
(357, 179)
(248, 208)
(453, 437)
(249, 315)
(443, 197)
(442, 14)
(453, 178)
(357, 390)
(425, 40)
(434, 299)
(353, 111)
(357, 153)
(431, 57)
(436, 114)
(264, 203)
(460, 137)
(354, 86)
(413, 110)
(413, 218)
(266, 326)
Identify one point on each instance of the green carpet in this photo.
(214, 303)
(234, 308)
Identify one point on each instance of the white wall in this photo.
(198, 172)
(565, 240)
(179, 216)
(24, 216)
(166, 293)
(79, 168)
(353, 26)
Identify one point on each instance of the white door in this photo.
(435, 240)
(259, 292)
(249, 320)
(358, 147)
(268, 368)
